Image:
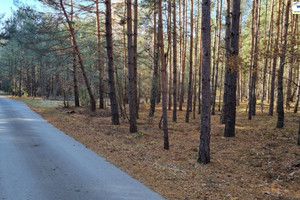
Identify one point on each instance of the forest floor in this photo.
(255, 164)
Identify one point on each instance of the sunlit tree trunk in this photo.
(163, 76)
(275, 54)
(86, 80)
(280, 110)
(270, 30)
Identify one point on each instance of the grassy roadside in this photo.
(256, 164)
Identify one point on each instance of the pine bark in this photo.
(110, 66)
(190, 88)
(181, 100)
(204, 148)
(232, 76)
(131, 71)
(174, 64)
(135, 35)
(270, 30)
(214, 95)
(280, 110)
(163, 76)
(275, 54)
(155, 66)
(291, 63)
(99, 58)
(227, 55)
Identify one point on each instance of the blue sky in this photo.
(6, 6)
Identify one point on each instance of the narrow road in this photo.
(39, 162)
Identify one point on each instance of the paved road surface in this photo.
(39, 162)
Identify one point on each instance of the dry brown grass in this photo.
(253, 165)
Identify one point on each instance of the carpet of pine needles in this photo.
(255, 164)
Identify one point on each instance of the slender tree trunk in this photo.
(183, 57)
(298, 93)
(271, 108)
(163, 76)
(190, 91)
(214, 59)
(135, 35)
(227, 61)
(231, 97)
(170, 54)
(155, 66)
(99, 58)
(75, 79)
(280, 110)
(132, 99)
(291, 63)
(270, 30)
(125, 96)
(219, 15)
(196, 62)
(174, 64)
(111, 81)
(221, 81)
(252, 97)
(200, 69)
(86, 80)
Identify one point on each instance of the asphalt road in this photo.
(39, 162)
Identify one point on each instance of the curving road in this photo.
(39, 162)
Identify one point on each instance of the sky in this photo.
(6, 6)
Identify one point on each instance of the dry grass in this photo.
(256, 164)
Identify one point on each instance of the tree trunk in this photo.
(155, 67)
(252, 94)
(170, 53)
(135, 35)
(280, 110)
(131, 72)
(163, 76)
(219, 16)
(174, 64)
(111, 81)
(275, 54)
(183, 56)
(86, 80)
(270, 30)
(291, 63)
(231, 97)
(204, 148)
(196, 61)
(190, 89)
(99, 58)
(227, 61)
